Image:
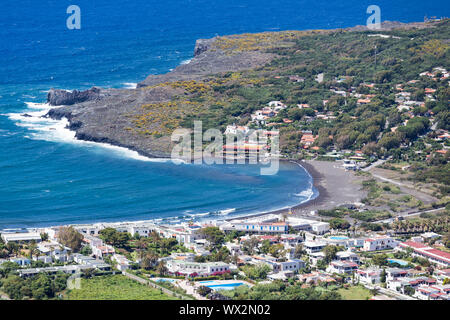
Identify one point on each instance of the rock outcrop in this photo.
(58, 97)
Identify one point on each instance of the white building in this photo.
(433, 255)
(347, 256)
(21, 237)
(379, 243)
(342, 267)
(314, 246)
(368, 276)
(196, 269)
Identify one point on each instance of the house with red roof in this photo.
(433, 255)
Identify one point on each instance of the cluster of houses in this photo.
(312, 236)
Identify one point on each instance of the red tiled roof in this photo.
(413, 244)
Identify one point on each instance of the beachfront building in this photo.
(196, 269)
(317, 227)
(183, 233)
(21, 237)
(256, 227)
(379, 243)
(436, 256)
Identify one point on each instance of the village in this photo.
(230, 258)
(254, 250)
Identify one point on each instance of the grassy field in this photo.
(115, 287)
(355, 293)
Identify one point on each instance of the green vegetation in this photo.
(355, 293)
(115, 287)
(70, 237)
(40, 287)
(278, 290)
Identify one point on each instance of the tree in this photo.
(214, 235)
(115, 238)
(330, 253)
(70, 237)
(44, 236)
(299, 251)
(383, 276)
(380, 259)
(86, 250)
(149, 261)
(161, 268)
(265, 246)
(338, 223)
(277, 250)
(249, 245)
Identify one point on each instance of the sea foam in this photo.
(57, 131)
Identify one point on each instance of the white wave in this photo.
(130, 85)
(185, 61)
(226, 212)
(57, 131)
(35, 105)
(199, 214)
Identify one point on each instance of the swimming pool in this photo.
(221, 285)
(165, 280)
(338, 238)
(400, 262)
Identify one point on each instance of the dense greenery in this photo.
(115, 287)
(40, 287)
(278, 290)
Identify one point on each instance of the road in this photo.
(410, 214)
(391, 293)
(375, 164)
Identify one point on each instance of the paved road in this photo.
(391, 293)
(375, 164)
(409, 214)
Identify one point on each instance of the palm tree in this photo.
(161, 268)
(32, 248)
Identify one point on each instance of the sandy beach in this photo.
(336, 187)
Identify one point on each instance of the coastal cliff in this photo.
(229, 78)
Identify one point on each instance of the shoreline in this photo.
(324, 174)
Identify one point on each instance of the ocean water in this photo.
(48, 178)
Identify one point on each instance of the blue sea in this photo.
(48, 178)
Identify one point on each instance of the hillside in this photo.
(231, 77)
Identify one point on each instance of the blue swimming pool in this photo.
(338, 238)
(165, 280)
(225, 286)
(400, 262)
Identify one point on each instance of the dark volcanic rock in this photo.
(58, 97)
